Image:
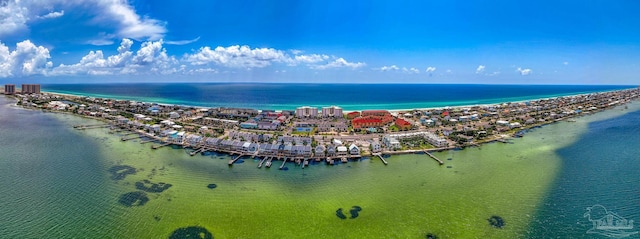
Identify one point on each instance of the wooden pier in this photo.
(283, 163)
(381, 158)
(135, 137)
(501, 140)
(198, 151)
(231, 162)
(160, 146)
(262, 161)
(91, 126)
(434, 157)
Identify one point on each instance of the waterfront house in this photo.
(212, 142)
(306, 150)
(331, 150)
(193, 139)
(180, 137)
(319, 151)
(249, 147)
(354, 150)
(264, 149)
(237, 145)
(376, 147)
(288, 148)
(341, 150)
(391, 142)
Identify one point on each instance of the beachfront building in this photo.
(332, 112)
(306, 112)
(30, 89)
(9, 89)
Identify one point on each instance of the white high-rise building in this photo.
(306, 112)
(333, 111)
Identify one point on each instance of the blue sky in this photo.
(483, 42)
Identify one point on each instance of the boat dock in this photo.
(124, 138)
(262, 161)
(90, 126)
(283, 163)
(160, 146)
(434, 157)
(198, 151)
(231, 162)
(381, 158)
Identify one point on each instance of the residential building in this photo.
(353, 115)
(403, 124)
(333, 111)
(9, 89)
(376, 147)
(30, 89)
(306, 112)
(354, 150)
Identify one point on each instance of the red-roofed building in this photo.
(371, 121)
(353, 115)
(403, 124)
(366, 122)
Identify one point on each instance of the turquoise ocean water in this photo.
(347, 96)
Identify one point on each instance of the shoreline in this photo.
(392, 109)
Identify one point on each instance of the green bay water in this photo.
(56, 184)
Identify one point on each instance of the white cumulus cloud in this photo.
(237, 56)
(480, 69)
(27, 59)
(150, 58)
(524, 72)
(410, 70)
(389, 68)
(430, 69)
(339, 63)
(309, 59)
